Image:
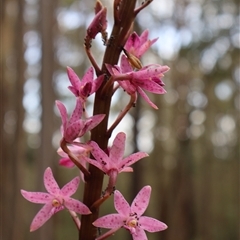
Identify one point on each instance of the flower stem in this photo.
(75, 219)
(131, 103)
(91, 58)
(73, 158)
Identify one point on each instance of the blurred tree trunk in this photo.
(13, 148)
(46, 151)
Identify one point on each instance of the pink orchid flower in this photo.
(130, 217)
(138, 45)
(87, 86)
(55, 200)
(114, 163)
(114, 160)
(133, 82)
(75, 126)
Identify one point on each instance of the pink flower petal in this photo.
(74, 90)
(144, 36)
(74, 79)
(91, 123)
(117, 150)
(102, 160)
(141, 201)
(72, 131)
(139, 234)
(121, 205)
(150, 86)
(66, 162)
(125, 65)
(71, 187)
(146, 98)
(96, 164)
(110, 221)
(36, 197)
(109, 68)
(132, 43)
(99, 23)
(126, 162)
(127, 169)
(128, 87)
(97, 83)
(88, 76)
(76, 206)
(138, 45)
(42, 216)
(50, 182)
(77, 112)
(63, 113)
(151, 224)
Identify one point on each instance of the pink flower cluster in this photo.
(133, 78)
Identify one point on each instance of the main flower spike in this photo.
(138, 45)
(87, 86)
(55, 200)
(133, 82)
(130, 217)
(75, 126)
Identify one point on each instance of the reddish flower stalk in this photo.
(131, 104)
(93, 189)
(64, 147)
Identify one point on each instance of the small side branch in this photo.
(73, 158)
(75, 219)
(87, 46)
(145, 4)
(131, 104)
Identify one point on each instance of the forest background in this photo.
(193, 139)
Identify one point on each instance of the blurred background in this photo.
(193, 139)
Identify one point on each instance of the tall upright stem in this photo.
(93, 188)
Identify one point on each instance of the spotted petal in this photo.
(71, 187)
(151, 224)
(97, 83)
(141, 201)
(88, 76)
(110, 221)
(73, 130)
(50, 182)
(121, 205)
(42, 216)
(36, 197)
(139, 234)
(91, 123)
(63, 113)
(74, 79)
(77, 112)
(150, 86)
(76, 206)
(117, 150)
(126, 162)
